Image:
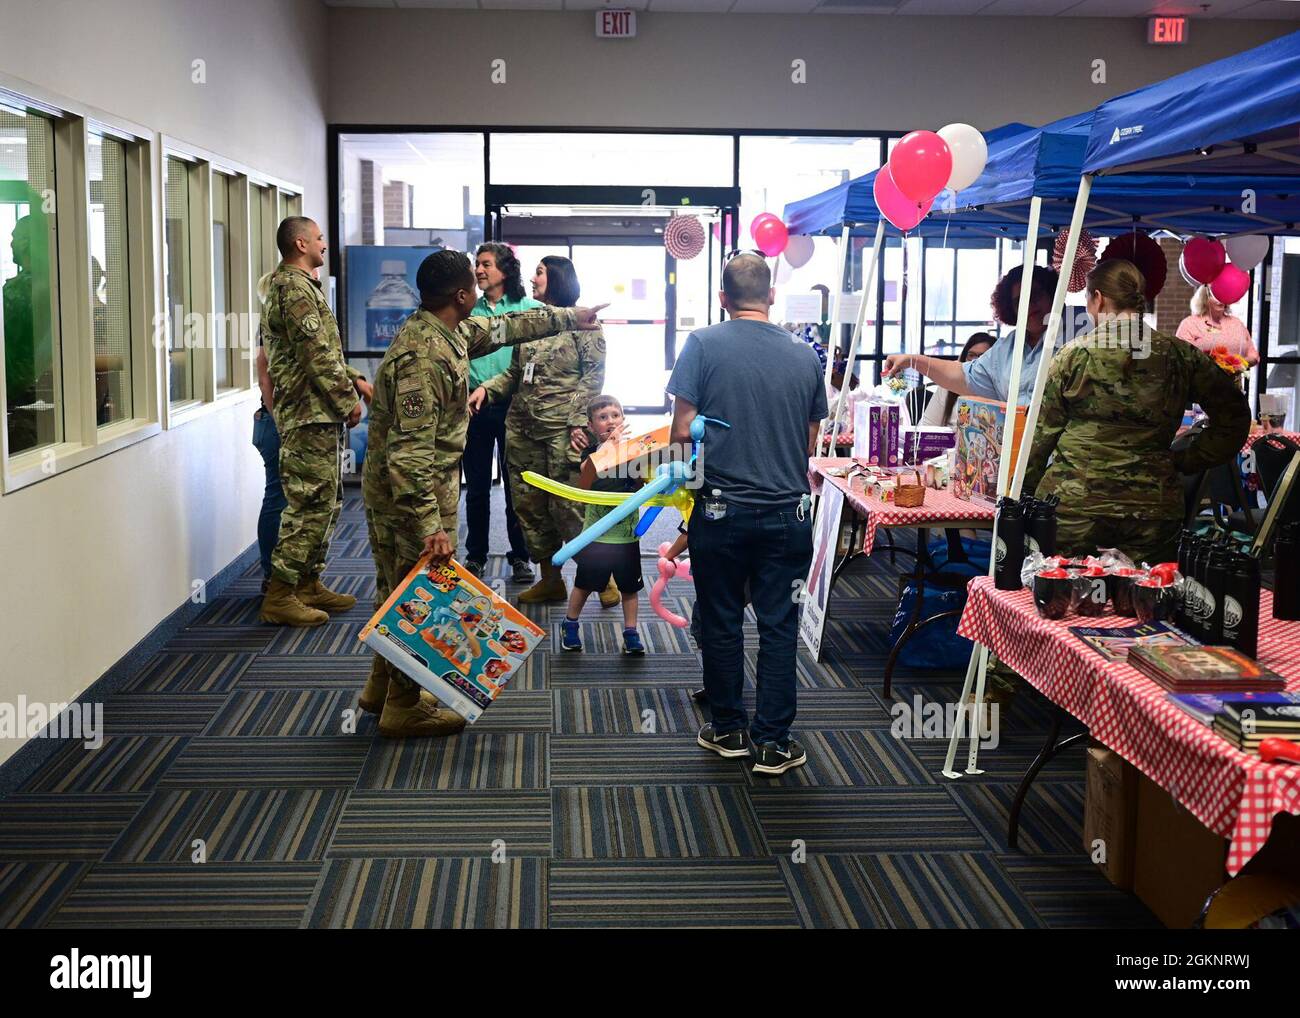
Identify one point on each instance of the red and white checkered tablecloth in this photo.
(1234, 794)
(940, 507)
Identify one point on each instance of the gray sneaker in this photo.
(772, 759)
(521, 572)
(475, 567)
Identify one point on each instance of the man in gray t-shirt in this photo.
(767, 385)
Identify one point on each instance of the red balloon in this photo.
(758, 221)
(1146, 254)
(1230, 285)
(1203, 259)
(770, 235)
(921, 164)
(901, 211)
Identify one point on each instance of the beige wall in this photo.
(734, 71)
(123, 538)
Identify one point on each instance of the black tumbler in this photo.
(1010, 550)
(1216, 585)
(1241, 604)
(1152, 602)
(1286, 574)
(1053, 589)
(1045, 524)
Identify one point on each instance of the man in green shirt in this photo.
(497, 272)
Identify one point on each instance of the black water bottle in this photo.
(1045, 524)
(1010, 550)
(1241, 604)
(1216, 588)
(1286, 574)
(1195, 590)
(1186, 543)
(1028, 514)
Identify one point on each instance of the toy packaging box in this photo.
(453, 635)
(876, 428)
(605, 460)
(980, 426)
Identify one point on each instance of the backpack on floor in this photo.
(938, 646)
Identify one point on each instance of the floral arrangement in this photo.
(1229, 362)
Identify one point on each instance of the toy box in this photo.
(453, 635)
(606, 460)
(980, 426)
(876, 429)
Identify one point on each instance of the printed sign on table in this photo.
(817, 590)
(453, 635)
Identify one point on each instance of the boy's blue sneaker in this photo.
(570, 640)
(632, 643)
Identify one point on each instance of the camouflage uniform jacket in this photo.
(1109, 416)
(420, 412)
(568, 371)
(304, 353)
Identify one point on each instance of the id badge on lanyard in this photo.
(528, 372)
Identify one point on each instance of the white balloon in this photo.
(782, 273)
(1248, 251)
(969, 154)
(799, 250)
(1187, 278)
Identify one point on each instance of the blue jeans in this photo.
(266, 439)
(768, 549)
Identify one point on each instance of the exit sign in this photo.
(615, 24)
(1166, 31)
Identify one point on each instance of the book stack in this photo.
(1246, 723)
(1205, 707)
(1204, 670)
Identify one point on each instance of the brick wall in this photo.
(397, 204)
(1173, 303)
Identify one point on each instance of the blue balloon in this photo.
(648, 519)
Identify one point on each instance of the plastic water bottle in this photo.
(389, 305)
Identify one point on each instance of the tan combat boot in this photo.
(610, 596)
(315, 594)
(549, 588)
(414, 713)
(376, 692)
(281, 607)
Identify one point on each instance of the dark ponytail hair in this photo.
(508, 265)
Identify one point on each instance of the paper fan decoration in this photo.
(1085, 258)
(1146, 254)
(684, 237)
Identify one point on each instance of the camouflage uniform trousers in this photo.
(1150, 541)
(313, 490)
(395, 553)
(548, 521)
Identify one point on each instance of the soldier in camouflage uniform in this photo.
(551, 381)
(1113, 401)
(315, 398)
(411, 478)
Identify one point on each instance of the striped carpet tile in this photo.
(961, 890)
(611, 711)
(189, 673)
(31, 891)
(470, 824)
(278, 712)
(469, 760)
(840, 708)
(320, 671)
(124, 763)
(235, 825)
(214, 639)
(70, 826)
(333, 639)
(669, 894)
(637, 760)
(185, 895)
(833, 892)
(605, 636)
(152, 714)
(231, 611)
(1070, 893)
(655, 822)
(531, 675)
(588, 669)
(808, 674)
(425, 894)
(286, 762)
(846, 759)
(884, 819)
(1051, 820)
(518, 711)
(1005, 763)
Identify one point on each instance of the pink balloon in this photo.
(771, 236)
(758, 221)
(1230, 285)
(921, 164)
(1204, 259)
(901, 211)
(668, 569)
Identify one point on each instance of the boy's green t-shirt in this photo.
(623, 532)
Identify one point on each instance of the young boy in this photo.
(617, 551)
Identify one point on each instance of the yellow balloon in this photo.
(681, 499)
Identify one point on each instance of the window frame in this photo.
(82, 439)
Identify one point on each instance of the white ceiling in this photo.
(1281, 10)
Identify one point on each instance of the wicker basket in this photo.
(909, 496)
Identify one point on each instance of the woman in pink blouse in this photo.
(1211, 324)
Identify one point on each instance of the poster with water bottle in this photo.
(381, 292)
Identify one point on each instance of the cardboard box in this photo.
(1110, 815)
(876, 431)
(606, 460)
(924, 443)
(980, 427)
(451, 633)
(1178, 862)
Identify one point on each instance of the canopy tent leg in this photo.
(868, 292)
(980, 670)
(837, 306)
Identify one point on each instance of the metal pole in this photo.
(868, 288)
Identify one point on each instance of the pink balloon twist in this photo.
(668, 569)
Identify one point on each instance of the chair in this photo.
(1228, 497)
